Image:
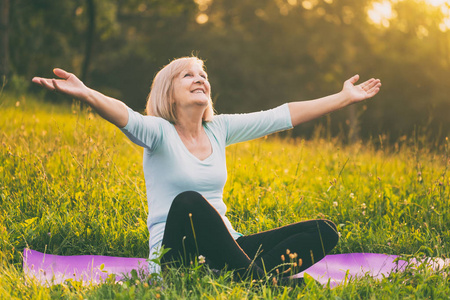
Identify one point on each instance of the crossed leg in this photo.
(300, 244)
(195, 228)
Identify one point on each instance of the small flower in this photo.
(335, 204)
(363, 206)
(352, 195)
(201, 259)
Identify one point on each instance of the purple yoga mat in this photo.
(339, 267)
(54, 269)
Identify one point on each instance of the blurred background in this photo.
(259, 54)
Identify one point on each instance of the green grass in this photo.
(71, 183)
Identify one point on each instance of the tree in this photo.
(259, 53)
(90, 36)
(4, 38)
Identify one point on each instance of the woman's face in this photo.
(191, 87)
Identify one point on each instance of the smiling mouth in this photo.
(198, 91)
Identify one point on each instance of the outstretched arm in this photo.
(304, 111)
(109, 108)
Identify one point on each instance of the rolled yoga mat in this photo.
(92, 269)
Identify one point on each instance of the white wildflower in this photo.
(201, 259)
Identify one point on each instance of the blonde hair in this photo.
(160, 100)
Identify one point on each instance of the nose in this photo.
(199, 79)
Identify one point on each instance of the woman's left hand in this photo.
(362, 91)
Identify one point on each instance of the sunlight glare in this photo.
(444, 5)
(202, 18)
(445, 25)
(203, 4)
(381, 13)
(437, 2)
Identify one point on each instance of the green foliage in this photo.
(259, 53)
(72, 184)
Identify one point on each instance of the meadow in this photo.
(73, 184)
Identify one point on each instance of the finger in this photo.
(61, 73)
(370, 84)
(55, 85)
(47, 84)
(354, 79)
(36, 80)
(374, 90)
(373, 85)
(367, 84)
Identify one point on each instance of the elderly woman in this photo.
(185, 169)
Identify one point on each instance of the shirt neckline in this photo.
(207, 159)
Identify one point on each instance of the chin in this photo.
(203, 102)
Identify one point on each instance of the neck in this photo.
(189, 124)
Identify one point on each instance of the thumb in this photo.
(354, 79)
(61, 73)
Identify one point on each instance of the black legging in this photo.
(195, 228)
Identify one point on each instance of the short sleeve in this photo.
(244, 127)
(145, 131)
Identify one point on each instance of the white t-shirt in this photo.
(170, 169)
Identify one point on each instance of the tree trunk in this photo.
(4, 39)
(90, 34)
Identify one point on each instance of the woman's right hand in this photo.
(69, 84)
(109, 108)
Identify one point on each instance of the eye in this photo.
(187, 75)
(204, 76)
